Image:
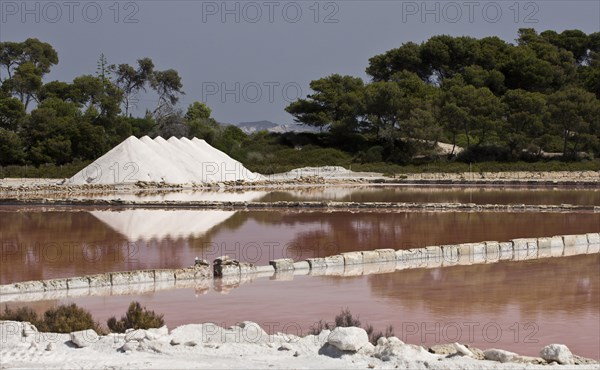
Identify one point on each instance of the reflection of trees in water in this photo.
(348, 231)
(539, 285)
(37, 243)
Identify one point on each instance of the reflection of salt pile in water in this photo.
(146, 224)
(173, 161)
(181, 196)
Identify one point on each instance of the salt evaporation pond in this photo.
(518, 306)
(40, 243)
(417, 194)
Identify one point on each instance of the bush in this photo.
(345, 319)
(374, 336)
(24, 314)
(484, 153)
(62, 319)
(136, 317)
(373, 155)
(68, 318)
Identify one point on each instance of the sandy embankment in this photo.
(317, 176)
(249, 346)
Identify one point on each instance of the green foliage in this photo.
(50, 171)
(500, 101)
(338, 101)
(11, 148)
(67, 319)
(61, 319)
(374, 154)
(23, 314)
(136, 317)
(198, 111)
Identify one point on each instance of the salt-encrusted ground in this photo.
(209, 346)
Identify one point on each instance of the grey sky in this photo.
(270, 55)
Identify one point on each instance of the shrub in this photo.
(62, 319)
(374, 336)
(345, 319)
(68, 318)
(24, 314)
(136, 317)
(372, 155)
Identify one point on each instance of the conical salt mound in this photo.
(172, 161)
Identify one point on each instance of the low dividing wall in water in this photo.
(304, 205)
(232, 273)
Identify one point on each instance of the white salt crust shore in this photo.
(248, 346)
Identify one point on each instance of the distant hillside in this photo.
(251, 127)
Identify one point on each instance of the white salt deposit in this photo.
(208, 346)
(173, 161)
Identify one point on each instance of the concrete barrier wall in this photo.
(232, 273)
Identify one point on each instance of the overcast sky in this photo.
(248, 59)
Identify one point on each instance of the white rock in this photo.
(391, 347)
(462, 350)
(382, 341)
(129, 346)
(84, 338)
(557, 352)
(135, 335)
(201, 333)
(367, 350)
(251, 332)
(29, 329)
(285, 347)
(348, 339)
(155, 333)
(499, 355)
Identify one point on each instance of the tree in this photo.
(384, 102)
(477, 110)
(575, 113)
(26, 63)
(131, 80)
(197, 111)
(12, 113)
(447, 56)
(536, 57)
(405, 58)
(167, 85)
(524, 117)
(98, 94)
(337, 101)
(575, 41)
(11, 148)
(49, 130)
(479, 77)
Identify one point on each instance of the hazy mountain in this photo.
(251, 127)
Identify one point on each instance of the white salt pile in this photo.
(173, 161)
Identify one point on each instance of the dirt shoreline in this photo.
(486, 179)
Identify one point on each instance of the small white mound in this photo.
(173, 161)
